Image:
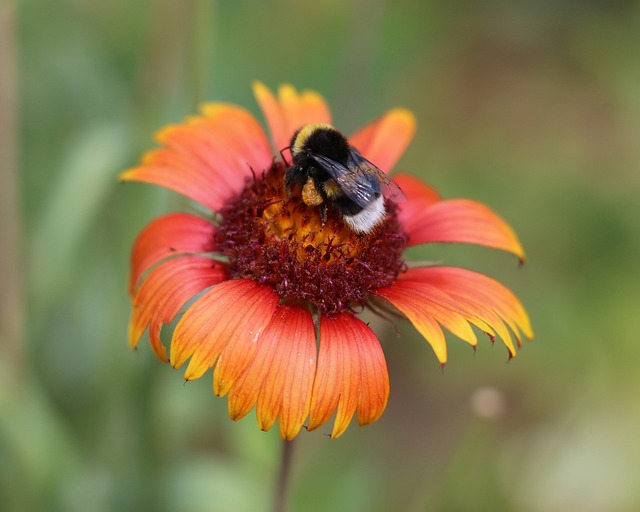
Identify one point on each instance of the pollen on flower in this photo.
(282, 242)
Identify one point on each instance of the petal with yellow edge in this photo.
(208, 157)
(428, 308)
(351, 376)
(479, 295)
(280, 376)
(233, 312)
(167, 288)
(287, 321)
(384, 141)
(267, 375)
(176, 233)
(289, 111)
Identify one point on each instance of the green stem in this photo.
(200, 58)
(280, 503)
(11, 266)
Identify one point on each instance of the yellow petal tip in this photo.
(259, 87)
(404, 116)
(286, 91)
(127, 175)
(212, 109)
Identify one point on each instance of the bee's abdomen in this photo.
(345, 206)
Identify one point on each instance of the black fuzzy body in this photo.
(331, 144)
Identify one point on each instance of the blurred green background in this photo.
(530, 107)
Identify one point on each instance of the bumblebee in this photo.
(330, 173)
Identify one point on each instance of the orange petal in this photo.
(244, 393)
(167, 236)
(374, 378)
(290, 341)
(282, 371)
(458, 220)
(273, 114)
(302, 108)
(351, 376)
(475, 311)
(232, 313)
(165, 290)
(208, 157)
(427, 307)
(290, 111)
(385, 140)
(480, 296)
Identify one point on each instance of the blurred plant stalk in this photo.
(11, 267)
(200, 51)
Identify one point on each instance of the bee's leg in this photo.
(283, 157)
(323, 214)
(289, 179)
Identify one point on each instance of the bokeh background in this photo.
(530, 107)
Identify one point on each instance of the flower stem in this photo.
(11, 266)
(280, 503)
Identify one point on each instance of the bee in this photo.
(333, 174)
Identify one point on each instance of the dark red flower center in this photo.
(281, 242)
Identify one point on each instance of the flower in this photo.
(270, 291)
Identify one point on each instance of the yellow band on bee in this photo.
(332, 189)
(304, 134)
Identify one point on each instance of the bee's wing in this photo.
(355, 181)
(390, 189)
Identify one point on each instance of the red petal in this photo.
(384, 141)
(233, 313)
(167, 236)
(290, 111)
(458, 220)
(281, 374)
(419, 197)
(289, 342)
(163, 293)
(208, 157)
(351, 376)
(243, 395)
